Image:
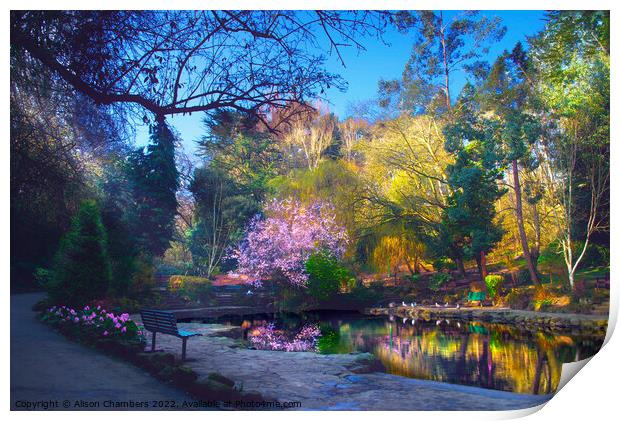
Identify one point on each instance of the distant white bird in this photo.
(438, 322)
(447, 321)
(404, 304)
(458, 324)
(414, 304)
(436, 305)
(249, 292)
(458, 306)
(445, 305)
(412, 322)
(405, 320)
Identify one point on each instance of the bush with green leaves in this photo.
(493, 282)
(81, 268)
(443, 263)
(326, 275)
(437, 280)
(192, 288)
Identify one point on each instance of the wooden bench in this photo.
(479, 296)
(157, 321)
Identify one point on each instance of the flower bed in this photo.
(268, 338)
(97, 327)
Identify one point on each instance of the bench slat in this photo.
(159, 321)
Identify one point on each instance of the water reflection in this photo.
(485, 355)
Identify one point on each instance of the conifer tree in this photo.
(81, 270)
(155, 181)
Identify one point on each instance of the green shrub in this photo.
(443, 264)
(437, 280)
(415, 278)
(81, 268)
(192, 288)
(143, 279)
(493, 282)
(326, 276)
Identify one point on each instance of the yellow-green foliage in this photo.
(544, 298)
(193, 288)
(395, 250)
(493, 282)
(336, 182)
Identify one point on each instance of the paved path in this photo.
(45, 366)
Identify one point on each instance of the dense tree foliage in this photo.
(470, 215)
(513, 170)
(155, 180)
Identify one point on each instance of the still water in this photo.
(491, 356)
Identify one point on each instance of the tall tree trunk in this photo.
(446, 69)
(524, 245)
(535, 252)
(483, 265)
(479, 266)
(411, 270)
(461, 267)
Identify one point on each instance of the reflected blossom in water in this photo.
(269, 338)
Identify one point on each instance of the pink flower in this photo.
(117, 325)
(283, 241)
(105, 333)
(124, 329)
(77, 319)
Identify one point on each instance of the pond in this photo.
(491, 356)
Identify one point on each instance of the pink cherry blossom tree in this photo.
(280, 243)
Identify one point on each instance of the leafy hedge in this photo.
(192, 288)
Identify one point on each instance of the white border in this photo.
(592, 394)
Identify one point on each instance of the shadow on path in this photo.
(46, 367)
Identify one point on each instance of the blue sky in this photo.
(364, 69)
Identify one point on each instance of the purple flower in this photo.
(281, 243)
(105, 333)
(268, 338)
